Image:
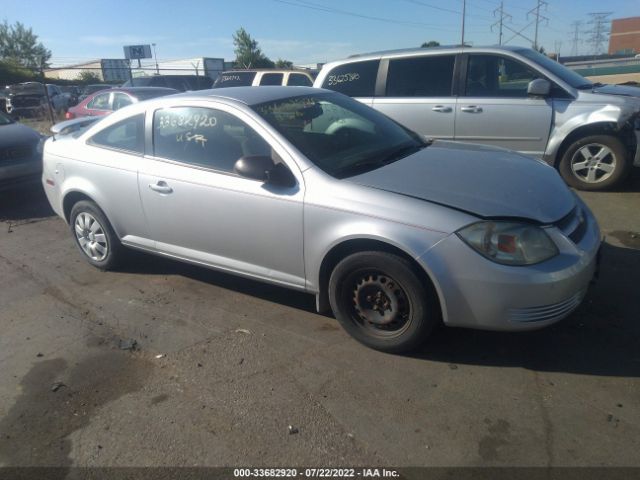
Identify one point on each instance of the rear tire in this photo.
(380, 301)
(94, 236)
(595, 162)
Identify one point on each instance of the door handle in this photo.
(441, 108)
(472, 109)
(160, 187)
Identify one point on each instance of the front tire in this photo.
(94, 235)
(380, 301)
(595, 162)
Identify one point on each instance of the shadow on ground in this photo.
(24, 203)
(600, 338)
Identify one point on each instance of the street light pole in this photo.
(464, 14)
(156, 58)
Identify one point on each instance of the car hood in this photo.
(625, 90)
(17, 134)
(484, 181)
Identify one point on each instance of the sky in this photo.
(302, 31)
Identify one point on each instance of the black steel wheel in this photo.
(381, 301)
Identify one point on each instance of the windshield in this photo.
(29, 88)
(340, 135)
(569, 76)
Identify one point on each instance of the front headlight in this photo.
(509, 243)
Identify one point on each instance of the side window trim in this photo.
(381, 79)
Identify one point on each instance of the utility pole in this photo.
(600, 30)
(535, 11)
(464, 14)
(557, 45)
(503, 16)
(577, 25)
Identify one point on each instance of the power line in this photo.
(535, 11)
(600, 30)
(503, 16)
(577, 26)
(322, 8)
(423, 4)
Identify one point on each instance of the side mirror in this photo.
(539, 87)
(262, 168)
(255, 167)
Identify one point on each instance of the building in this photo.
(625, 36)
(202, 66)
(114, 70)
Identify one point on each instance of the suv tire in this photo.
(595, 162)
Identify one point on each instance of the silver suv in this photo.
(510, 97)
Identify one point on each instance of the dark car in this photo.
(104, 102)
(20, 152)
(29, 99)
(179, 82)
(91, 89)
(71, 93)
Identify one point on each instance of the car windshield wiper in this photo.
(388, 157)
(586, 86)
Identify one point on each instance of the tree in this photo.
(430, 43)
(248, 54)
(20, 46)
(88, 76)
(10, 73)
(284, 64)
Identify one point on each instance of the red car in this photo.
(104, 102)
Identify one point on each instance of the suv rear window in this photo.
(357, 79)
(430, 76)
(234, 79)
(271, 79)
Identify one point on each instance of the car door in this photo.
(495, 108)
(197, 207)
(419, 94)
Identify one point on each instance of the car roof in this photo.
(135, 90)
(252, 95)
(427, 50)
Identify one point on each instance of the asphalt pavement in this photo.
(163, 363)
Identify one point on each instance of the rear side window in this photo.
(235, 79)
(356, 79)
(99, 102)
(299, 80)
(271, 79)
(430, 76)
(127, 134)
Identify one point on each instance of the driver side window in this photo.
(204, 137)
(498, 77)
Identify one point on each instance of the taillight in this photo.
(69, 115)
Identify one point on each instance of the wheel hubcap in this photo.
(593, 163)
(91, 237)
(380, 303)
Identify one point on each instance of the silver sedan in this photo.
(314, 191)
